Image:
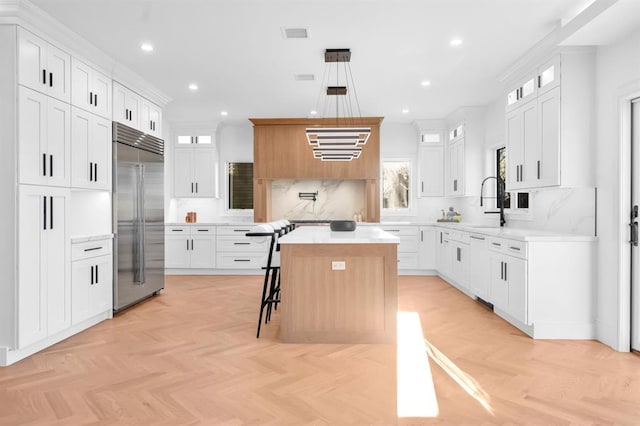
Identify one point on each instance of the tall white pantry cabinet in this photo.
(38, 177)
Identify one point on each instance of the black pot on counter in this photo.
(343, 225)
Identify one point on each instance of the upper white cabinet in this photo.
(90, 89)
(43, 67)
(126, 106)
(431, 164)
(150, 118)
(547, 131)
(464, 152)
(135, 111)
(91, 151)
(203, 141)
(194, 172)
(44, 136)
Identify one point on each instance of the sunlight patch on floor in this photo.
(466, 382)
(416, 392)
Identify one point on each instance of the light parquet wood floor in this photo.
(190, 357)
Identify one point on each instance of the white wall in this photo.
(617, 75)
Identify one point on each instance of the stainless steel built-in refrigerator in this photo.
(138, 216)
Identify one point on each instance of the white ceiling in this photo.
(235, 52)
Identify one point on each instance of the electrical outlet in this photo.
(338, 265)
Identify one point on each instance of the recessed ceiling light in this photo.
(425, 83)
(224, 113)
(193, 87)
(405, 111)
(147, 47)
(456, 42)
(314, 112)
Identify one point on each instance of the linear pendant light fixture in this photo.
(344, 141)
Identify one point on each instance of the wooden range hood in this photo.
(281, 151)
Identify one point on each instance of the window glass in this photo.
(502, 175)
(395, 184)
(240, 178)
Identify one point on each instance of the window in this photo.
(240, 190)
(521, 199)
(395, 184)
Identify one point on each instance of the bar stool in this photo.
(270, 286)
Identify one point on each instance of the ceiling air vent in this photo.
(288, 33)
(304, 77)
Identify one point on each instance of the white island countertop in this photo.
(324, 235)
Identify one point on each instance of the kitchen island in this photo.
(338, 287)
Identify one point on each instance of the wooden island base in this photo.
(321, 304)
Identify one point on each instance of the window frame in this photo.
(513, 211)
(409, 211)
(227, 196)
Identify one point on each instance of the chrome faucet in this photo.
(500, 196)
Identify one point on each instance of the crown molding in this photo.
(39, 22)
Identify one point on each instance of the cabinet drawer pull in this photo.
(51, 213)
(203, 230)
(497, 244)
(514, 248)
(95, 172)
(177, 230)
(241, 244)
(44, 164)
(242, 260)
(50, 79)
(97, 280)
(95, 98)
(476, 238)
(90, 171)
(392, 230)
(241, 230)
(50, 165)
(538, 169)
(91, 275)
(44, 217)
(502, 270)
(44, 77)
(93, 248)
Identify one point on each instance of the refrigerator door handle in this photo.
(142, 222)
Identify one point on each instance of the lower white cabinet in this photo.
(408, 256)
(427, 248)
(44, 291)
(190, 246)
(237, 251)
(479, 266)
(509, 285)
(91, 279)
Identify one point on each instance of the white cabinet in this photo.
(126, 106)
(135, 111)
(408, 249)
(91, 279)
(427, 258)
(44, 293)
(91, 151)
(190, 246)
(43, 67)
(546, 131)
(90, 89)
(431, 171)
(237, 251)
(455, 182)
(479, 266)
(150, 118)
(44, 125)
(533, 143)
(194, 172)
(509, 285)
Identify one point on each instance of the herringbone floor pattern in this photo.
(190, 357)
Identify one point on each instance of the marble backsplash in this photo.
(336, 199)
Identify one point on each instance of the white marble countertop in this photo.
(515, 233)
(221, 223)
(92, 237)
(324, 235)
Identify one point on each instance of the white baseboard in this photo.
(10, 356)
